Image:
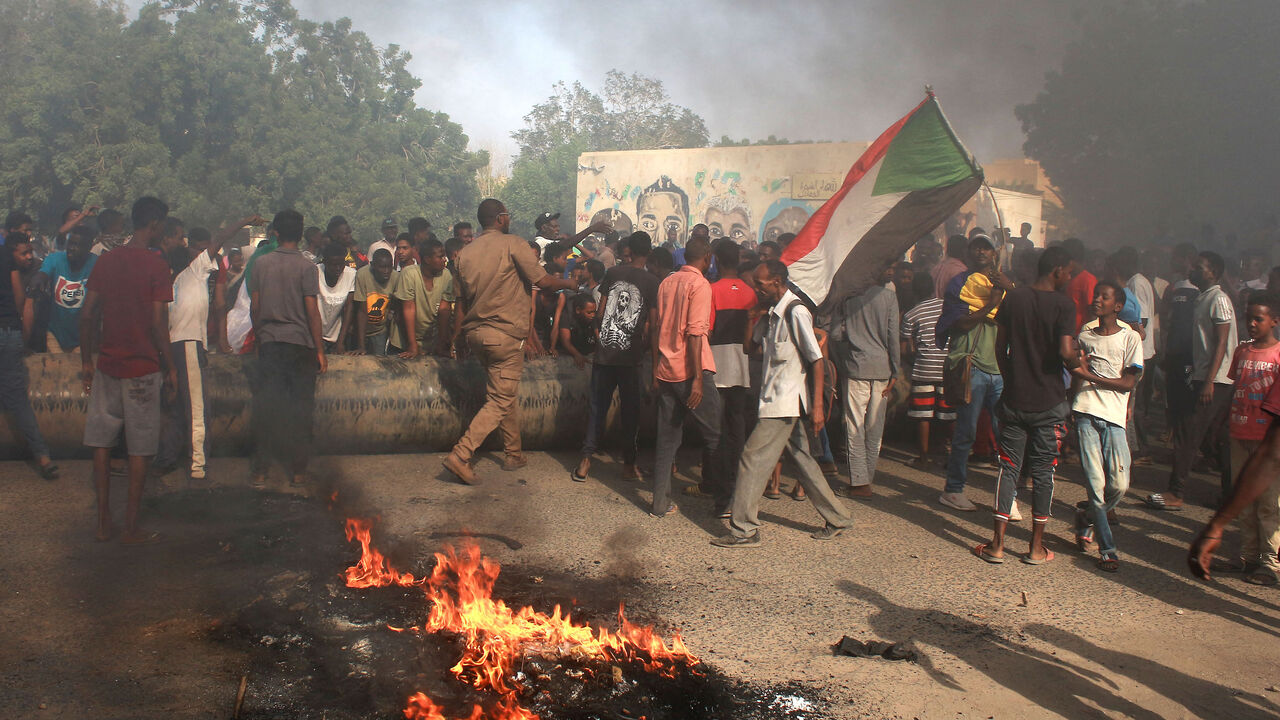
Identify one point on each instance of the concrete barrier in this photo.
(364, 405)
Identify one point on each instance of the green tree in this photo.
(219, 107)
(1163, 114)
(632, 113)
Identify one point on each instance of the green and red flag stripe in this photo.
(911, 179)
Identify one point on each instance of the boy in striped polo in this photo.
(927, 404)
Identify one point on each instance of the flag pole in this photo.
(1007, 247)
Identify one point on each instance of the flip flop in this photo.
(576, 477)
(981, 552)
(1027, 559)
(1109, 564)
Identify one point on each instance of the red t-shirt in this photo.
(1254, 372)
(1080, 290)
(128, 280)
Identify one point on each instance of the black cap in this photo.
(545, 218)
(390, 222)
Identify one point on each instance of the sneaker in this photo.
(827, 533)
(1015, 515)
(957, 501)
(733, 541)
(1262, 576)
(460, 469)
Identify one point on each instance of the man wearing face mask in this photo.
(1213, 341)
(791, 356)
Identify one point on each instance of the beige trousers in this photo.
(1260, 521)
(503, 360)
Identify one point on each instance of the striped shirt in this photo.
(918, 326)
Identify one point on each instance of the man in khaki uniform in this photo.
(494, 274)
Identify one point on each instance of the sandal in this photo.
(1106, 564)
(797, 493)
(48, 472)
(1048, 557)
(981, 552)
(579, 473)
(1158, 501)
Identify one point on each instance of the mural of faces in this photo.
(790, 220)
(620, 221)
(735, 224)
(663, 212)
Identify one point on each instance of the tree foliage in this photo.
(220, 107)
(632, 113)
(1163, 115)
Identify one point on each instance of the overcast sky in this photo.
(808, 69)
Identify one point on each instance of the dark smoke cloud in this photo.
(819, 70)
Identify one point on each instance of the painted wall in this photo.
(747, 193)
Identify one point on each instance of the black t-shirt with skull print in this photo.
(627, 295)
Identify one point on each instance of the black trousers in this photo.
(284, 403)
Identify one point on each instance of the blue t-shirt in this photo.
(66, 288)
(1132, 311)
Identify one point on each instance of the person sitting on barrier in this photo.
(375, 286)
(578, 338)
(337, 287)
(426, 298)
(62, 278)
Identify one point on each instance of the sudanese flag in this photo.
(911, 179)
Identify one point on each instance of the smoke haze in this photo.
(808, 71)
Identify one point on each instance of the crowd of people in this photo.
(1011, 356)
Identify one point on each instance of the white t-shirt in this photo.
(189, 311)
(1109, 356)
(331, 301)
(1146, 295)
(1213, 308)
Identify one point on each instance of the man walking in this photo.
(1213, 341)
(787, 338)
(1035, 341)
(866, 344)
(494, 275)
(684, 369)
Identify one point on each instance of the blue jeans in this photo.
(1104, 453)
(984, 392)
(13, 391)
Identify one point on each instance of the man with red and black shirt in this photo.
(731, 301)
(128, 294)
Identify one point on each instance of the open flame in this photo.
(495, 636)
(373, 570)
